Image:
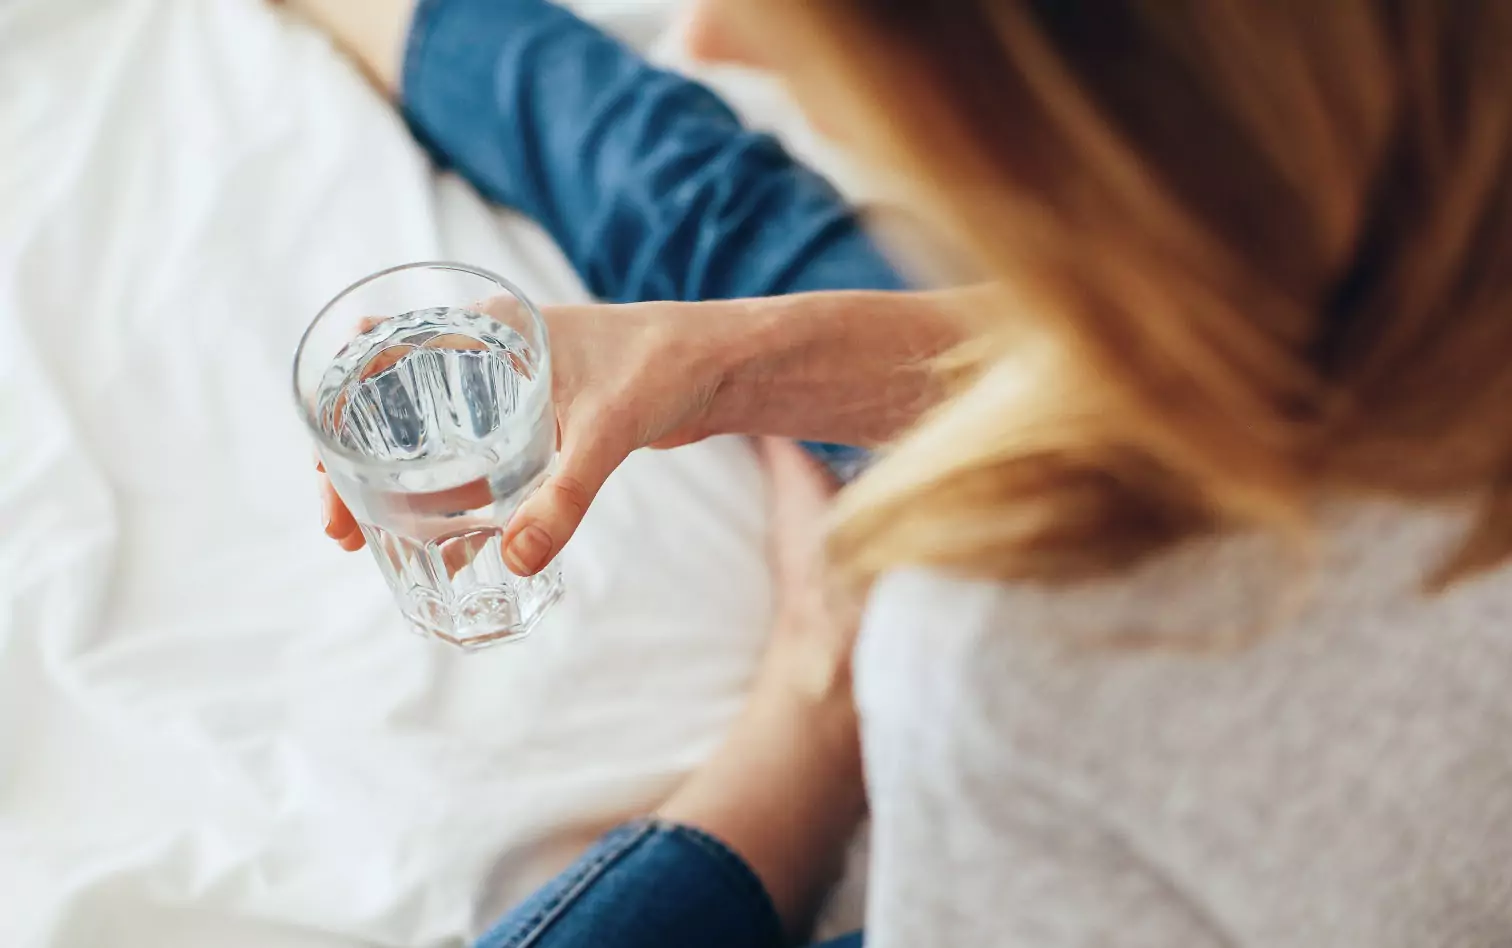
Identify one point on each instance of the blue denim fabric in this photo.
(649, 884)
(646, 180)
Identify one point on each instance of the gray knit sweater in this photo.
(1345, 779)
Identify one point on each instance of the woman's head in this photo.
(1268, 244)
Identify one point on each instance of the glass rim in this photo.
(543, 344)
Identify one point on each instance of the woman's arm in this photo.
(851, 367)
(842, 366)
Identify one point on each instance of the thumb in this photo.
(549, 516)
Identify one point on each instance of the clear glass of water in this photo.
(428, 390)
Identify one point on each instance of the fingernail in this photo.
(325, 511)
(527, 552)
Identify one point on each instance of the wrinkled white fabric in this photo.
(213, 728)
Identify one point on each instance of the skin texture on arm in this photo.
(843, 366)
(851, 367)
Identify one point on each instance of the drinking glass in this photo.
(428, 389)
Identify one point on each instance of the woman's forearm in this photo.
(849, 367)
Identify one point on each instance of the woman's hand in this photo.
(850, 367)
(623, 378)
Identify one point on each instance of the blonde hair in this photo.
(1265, 249)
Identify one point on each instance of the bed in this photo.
(214, 729)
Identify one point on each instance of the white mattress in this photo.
(213, 728)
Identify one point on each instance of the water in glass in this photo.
(444, 387)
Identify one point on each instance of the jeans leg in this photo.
(646, 884)
(646, 180)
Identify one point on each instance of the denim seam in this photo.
(743, 874)
(532, 930)
(422, 25)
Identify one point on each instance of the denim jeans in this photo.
(646, 180)
(654, 191)
(649, 884)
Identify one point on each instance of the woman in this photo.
(1189, 617)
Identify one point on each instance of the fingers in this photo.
(548, 518)
(339, 523)
(798, 500)
(337, 520)
(790, 464)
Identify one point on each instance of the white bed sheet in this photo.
(213, 728)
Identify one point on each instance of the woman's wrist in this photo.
(851, 367)
(786, 791)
